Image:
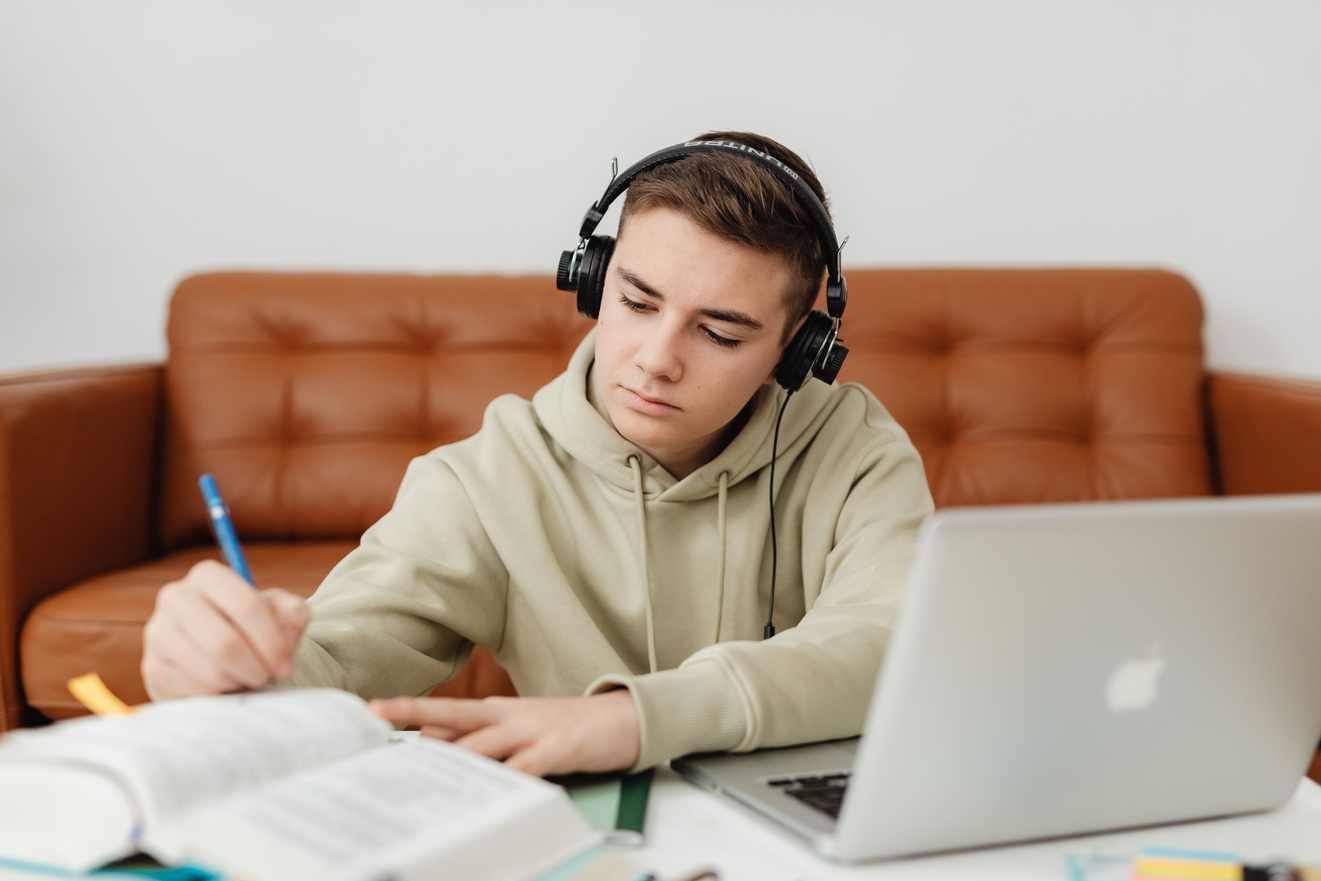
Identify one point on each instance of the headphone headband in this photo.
(836, 289)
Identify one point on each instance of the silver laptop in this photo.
(1061, 669)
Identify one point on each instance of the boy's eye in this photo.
(637, 306)
(720, 340)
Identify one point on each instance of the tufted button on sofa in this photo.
(306, 395)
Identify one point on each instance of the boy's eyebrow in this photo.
(731, 316)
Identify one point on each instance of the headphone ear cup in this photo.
(591, 274)
(796, 363)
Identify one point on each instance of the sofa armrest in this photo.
(1266, 433)
(77, 472)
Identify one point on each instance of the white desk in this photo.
(688, 828)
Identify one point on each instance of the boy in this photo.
(612, 537)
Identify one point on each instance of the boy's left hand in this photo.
(538, 735)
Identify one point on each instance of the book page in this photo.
(179, 753)
(378, 813)
(63, 817)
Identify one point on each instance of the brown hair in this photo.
(738, 199)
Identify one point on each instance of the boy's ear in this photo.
(788, 339)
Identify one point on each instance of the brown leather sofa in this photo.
(306, 395)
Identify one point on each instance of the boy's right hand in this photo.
(213, 633)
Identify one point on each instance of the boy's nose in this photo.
(658, 355)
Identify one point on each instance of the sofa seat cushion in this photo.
(96, 626)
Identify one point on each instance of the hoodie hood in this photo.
(572, 413)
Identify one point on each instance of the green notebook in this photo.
(615, 804)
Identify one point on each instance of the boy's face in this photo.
(690, 327)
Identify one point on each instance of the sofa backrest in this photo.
(1039, 385)
(306, 395)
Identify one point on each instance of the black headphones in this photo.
(815, 349)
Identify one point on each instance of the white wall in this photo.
(142, 140)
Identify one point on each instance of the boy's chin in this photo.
(644, 437)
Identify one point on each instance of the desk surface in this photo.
(689, 828)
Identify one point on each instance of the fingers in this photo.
(245, 613)
(492, 727)
(211, 633)
(190, 645)
(541, 759)
(292, 614)
(454, 715)
(535, 735)
(213, 646)
(439, 733)
(499, 741)
(169, 679)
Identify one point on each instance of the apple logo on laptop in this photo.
(1133, 684)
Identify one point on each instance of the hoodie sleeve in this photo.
(813, 681)
(401, 613)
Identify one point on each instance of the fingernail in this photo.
(286, 668)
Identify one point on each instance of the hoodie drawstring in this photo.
(641, 508)
(720, 581)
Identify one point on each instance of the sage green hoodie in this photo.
(585, 566)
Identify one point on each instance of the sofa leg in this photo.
(30, 718)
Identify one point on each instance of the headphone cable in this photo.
(769, 630)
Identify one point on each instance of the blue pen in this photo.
(223, 528)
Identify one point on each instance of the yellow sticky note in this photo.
(93, 694)
(1202, 870)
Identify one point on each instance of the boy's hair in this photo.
(739, 200)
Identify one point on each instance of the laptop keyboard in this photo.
(824, 792)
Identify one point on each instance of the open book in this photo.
(281, 786)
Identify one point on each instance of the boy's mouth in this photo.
(646, 404)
